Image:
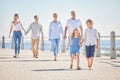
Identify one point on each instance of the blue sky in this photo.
(105, 13)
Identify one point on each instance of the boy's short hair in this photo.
(89, 20)
(36, 16)
(16, 15)
(54, 14)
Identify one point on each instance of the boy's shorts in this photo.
(90, 50)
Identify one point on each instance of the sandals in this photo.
(55, 59)
(71, 66)
(78, 68)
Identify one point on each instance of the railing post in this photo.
(98, 52)
(22, 43)
(42, 45)
(63, 45)
(3, 42)
(112, 46)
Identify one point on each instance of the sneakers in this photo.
(55, 59)
(35, 55)
(16, 56)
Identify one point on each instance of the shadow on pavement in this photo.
(110, 63)
(6, 59)
(62, 69)
(53, 70)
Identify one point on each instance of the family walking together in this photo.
(73, 31)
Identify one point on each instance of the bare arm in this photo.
(65, 32)
(68, 44)
(23, 28)
(81, 29)
(97, 44)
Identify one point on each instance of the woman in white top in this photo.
(16, 27)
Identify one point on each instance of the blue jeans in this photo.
(17, 40)
(55, 43)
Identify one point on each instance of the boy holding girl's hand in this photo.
(91, 41)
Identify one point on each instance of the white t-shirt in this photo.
(90, 36)
(16, 27)
(72, 24)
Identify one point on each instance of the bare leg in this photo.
(77, 59)
(72, 58)
(89, 63)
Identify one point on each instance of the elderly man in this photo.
(71, 24)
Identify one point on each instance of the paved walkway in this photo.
(44, 68)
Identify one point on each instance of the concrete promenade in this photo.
(44, 68)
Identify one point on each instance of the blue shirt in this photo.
(55, 29)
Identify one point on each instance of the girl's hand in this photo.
(67, 48)
(80, 44)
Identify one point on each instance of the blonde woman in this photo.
(55, 31)
(16, 27)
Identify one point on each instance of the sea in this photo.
(47, 45)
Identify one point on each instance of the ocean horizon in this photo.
(47, 45)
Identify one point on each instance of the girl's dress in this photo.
(75, 47)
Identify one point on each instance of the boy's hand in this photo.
(25, 33)
(97, 47)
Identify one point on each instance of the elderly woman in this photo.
(55, 31)
(16, 27)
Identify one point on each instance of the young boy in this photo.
(91, 41)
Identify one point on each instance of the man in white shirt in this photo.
(71, 24)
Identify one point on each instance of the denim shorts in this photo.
(90, 50)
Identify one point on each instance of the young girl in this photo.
(75, 47)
